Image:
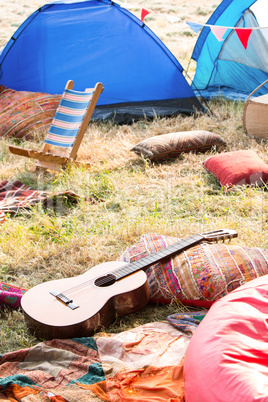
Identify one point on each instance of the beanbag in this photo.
(170, 145)
(227, 357)
(200, 275)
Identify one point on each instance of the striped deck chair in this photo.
(66, 131)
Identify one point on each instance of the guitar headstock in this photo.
(221, 234)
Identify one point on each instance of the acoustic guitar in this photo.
(79, 306)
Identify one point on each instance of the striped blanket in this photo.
(16, 196)
(142, 364)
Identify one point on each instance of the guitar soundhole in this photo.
(106, 280)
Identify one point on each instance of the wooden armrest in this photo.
(47, 157)
(19, 151)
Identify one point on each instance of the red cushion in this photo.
(238, 168)
(227, 357)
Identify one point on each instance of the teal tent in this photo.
(226, 68)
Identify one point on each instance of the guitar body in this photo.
(48, 317)
(79, 306)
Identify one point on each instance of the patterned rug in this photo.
(16, 196)
(142, 364)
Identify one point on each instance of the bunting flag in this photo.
(219, 31)
(145, 12)
(194, 26)
(170, 18)
(243, 35)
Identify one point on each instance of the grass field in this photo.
(176, 198)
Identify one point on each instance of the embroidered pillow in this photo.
(173, 144)
(199, 275)
(237, 168)
(23, 114)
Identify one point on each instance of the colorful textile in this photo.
(68, 118)
(23, 114)
(16, 196)
(199, 275)
(10, 295)
(173, 144)
(187, 322)
(142, 364)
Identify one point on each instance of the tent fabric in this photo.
(226, 68)
(97, 41)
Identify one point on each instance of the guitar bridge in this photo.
(64, 299)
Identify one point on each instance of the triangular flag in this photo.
(172, 18)
(195, 27)
(218, 32)
(144, 12)
(243, 34)
(128, 5)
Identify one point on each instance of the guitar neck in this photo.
(151, 259)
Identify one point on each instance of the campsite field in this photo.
(175, 198)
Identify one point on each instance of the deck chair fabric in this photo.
(68, 118)
(67, 129)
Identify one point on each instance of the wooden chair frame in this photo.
(50, 158)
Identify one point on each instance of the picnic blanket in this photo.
(16, 196)
(25, 113)
(144, 363)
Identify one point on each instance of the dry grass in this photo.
(176, 198)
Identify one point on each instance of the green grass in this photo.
(176, 198)
(134, 196)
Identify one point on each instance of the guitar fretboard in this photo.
(158, 256)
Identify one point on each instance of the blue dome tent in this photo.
(225, 67)
(97, 40)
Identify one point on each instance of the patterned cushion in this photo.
(171, 145)
(23, 114)
(199, 275)
(238, 168)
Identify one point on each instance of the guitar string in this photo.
(124, 271)
(140, 264)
